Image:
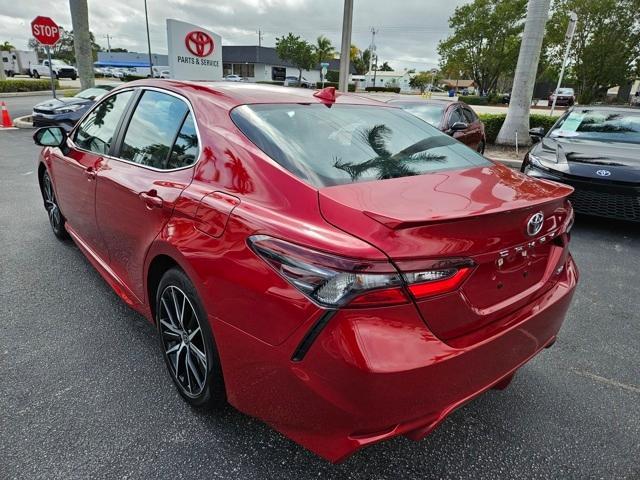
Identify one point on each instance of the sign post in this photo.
(571, 30)
(47, 33)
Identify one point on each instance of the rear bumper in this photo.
(373, 375)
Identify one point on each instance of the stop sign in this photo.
(45, 31)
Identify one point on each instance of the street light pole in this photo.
(571, 30)
(146, 18)
(347, 21)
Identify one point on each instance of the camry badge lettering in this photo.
(603, 173)
(535, 223)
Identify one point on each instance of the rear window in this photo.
(599, 125)
(430, 113)
(338, 144)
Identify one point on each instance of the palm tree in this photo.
(516, 125)
(6, 47)
(387, 164)
(323, 49)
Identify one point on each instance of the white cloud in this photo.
(408, 31)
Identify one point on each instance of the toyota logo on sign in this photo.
(604, 173)
(199, 43)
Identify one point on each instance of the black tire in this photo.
(481, 146)
(73, 77)
(36, 74)
(208, 391)
(56, 219)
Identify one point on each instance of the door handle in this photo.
(151, 199)
(90, 173)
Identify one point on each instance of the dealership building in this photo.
(251, 62)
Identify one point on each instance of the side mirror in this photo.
(459, 126)
(50, 137)
(536, 134)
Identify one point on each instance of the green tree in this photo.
(296, 50)
(606, 44)
(485, 41)
(360, 59)
(421, 81)
(63, 50)
(385, 67)
(323, 50)
(6, 46)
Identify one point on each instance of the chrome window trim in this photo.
(134, 89)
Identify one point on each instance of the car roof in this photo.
(442, 103)
(608, 108)
(234, 94)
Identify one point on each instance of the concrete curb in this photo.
(23, 122)
(41, 93)
(508, 162)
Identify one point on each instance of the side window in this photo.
(185, 149)
(96, 132)
(469, 116)
(153, 129)
(456, 116)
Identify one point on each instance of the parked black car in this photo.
(596, 150)
(66, 111)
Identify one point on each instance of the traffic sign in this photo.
(45, 31)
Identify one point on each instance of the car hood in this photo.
(59, 102)
(585, 158)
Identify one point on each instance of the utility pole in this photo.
(82, 42)
(260, 36)
(347, 23)
(571, 30)
(372, 49)
(108, 37)
(146, 18)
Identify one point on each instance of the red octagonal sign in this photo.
(45, 31)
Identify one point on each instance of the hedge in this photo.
(493, 122)
(474, 100)
(19, 85)
(383, 89)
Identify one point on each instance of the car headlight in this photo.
(67, 108)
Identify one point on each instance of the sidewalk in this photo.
(506, 155)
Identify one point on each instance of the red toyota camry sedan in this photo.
(332, 265)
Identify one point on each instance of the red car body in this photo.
(333, 380)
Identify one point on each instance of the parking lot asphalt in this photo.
(84, 391)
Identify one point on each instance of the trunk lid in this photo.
(478, 213)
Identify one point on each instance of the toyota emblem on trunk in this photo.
(603, 173)
(199, 43)
(534, 225)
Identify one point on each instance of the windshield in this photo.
(93, 93)
(430, 113)
(327, 145)
(612, 125)
(565, 91)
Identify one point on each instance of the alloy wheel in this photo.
(51, 205)
(183, 340)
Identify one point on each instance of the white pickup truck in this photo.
(60, 70)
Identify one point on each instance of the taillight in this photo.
(333, 281)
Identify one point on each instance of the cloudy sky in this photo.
(408, 30)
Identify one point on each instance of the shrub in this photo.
(19, 85)
(493, 122)
(333, 76)
(474, 100)
(383, 89)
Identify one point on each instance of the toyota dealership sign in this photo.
(195, 53)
